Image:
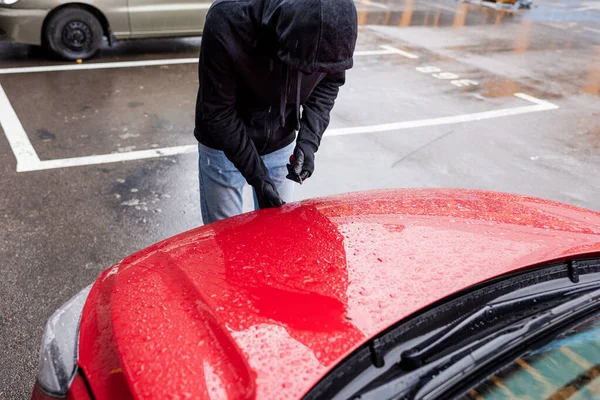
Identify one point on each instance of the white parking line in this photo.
(374, 4)
(394, 50)
(540, 105)
(382, 51)
(165, 7)
(591, 29)
(17, 138)
(27, 159)
(106, 65)
(109, 158)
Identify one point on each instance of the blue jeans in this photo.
(221, 184)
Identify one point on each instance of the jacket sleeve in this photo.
(216, 103)
(316, 110)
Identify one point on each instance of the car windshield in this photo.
(566, 368)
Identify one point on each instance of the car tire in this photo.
(74, 33)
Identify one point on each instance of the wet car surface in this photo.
(265, 304)
(62, 226)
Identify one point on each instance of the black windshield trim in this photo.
(443, 312)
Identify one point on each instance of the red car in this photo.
(391, 294)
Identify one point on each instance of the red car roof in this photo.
(264, 304)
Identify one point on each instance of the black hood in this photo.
(312, 35)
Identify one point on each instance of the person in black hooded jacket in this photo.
(268, 68)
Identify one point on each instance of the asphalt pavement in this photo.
(98, 160)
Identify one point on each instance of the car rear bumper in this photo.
(22, 25)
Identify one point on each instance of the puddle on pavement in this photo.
(499, 88)
(593, 135)
(592, 84)
(441, 14)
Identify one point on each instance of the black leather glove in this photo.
(302, 163)
(267, 195)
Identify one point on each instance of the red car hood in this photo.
(264, 304)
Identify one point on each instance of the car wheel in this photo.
(74, 33)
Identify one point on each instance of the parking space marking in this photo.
(165, 7)
(382, 51)
(439, 74)
(539, 105)
(394, 50)
(107, 65)
(17, 137)
(27, 159)
(374, 4)
(110, 158)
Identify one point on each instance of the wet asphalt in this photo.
(60, 228)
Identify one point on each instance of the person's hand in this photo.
(267, 195)
(302, 163)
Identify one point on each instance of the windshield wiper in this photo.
(483, 319)
(535, 327)
(436, 377)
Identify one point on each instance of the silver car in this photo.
(76, 30)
